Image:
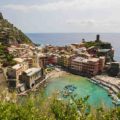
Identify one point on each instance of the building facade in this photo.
(91, 66)
(14, 72)
(31, 77)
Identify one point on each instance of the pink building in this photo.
(91, 66)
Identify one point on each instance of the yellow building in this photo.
(38, 60)
(66, 60)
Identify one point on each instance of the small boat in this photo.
(65, 95)
(67, 90)
(70, 91)
(59, 99)
(74, 87)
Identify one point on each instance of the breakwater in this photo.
(112, 89)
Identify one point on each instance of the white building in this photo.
(31, 76)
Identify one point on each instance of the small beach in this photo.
(57, 72)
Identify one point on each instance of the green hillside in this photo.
(9, 34)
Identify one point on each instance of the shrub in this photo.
(35, 107)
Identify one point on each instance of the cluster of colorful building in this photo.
(28, 70)
(32, 60)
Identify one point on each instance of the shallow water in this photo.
(98, 96)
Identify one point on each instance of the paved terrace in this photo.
(112, 80)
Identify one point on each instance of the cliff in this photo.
(9, 34)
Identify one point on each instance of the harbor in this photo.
(70, 89)
(68, 85)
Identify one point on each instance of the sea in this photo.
(62, 39)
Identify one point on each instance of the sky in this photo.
(63, 16)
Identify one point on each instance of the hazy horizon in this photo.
(63, 16)
(72, 32)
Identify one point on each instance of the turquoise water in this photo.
(98, 96)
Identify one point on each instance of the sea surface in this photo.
(98, 95)
(60, 39)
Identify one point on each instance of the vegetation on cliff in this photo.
(102, 49)
(10, 34)
(99, 44)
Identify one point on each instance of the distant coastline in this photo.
(68, 38)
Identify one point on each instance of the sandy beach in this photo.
(57, 73)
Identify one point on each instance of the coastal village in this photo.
(59, 60)
(33, 64)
